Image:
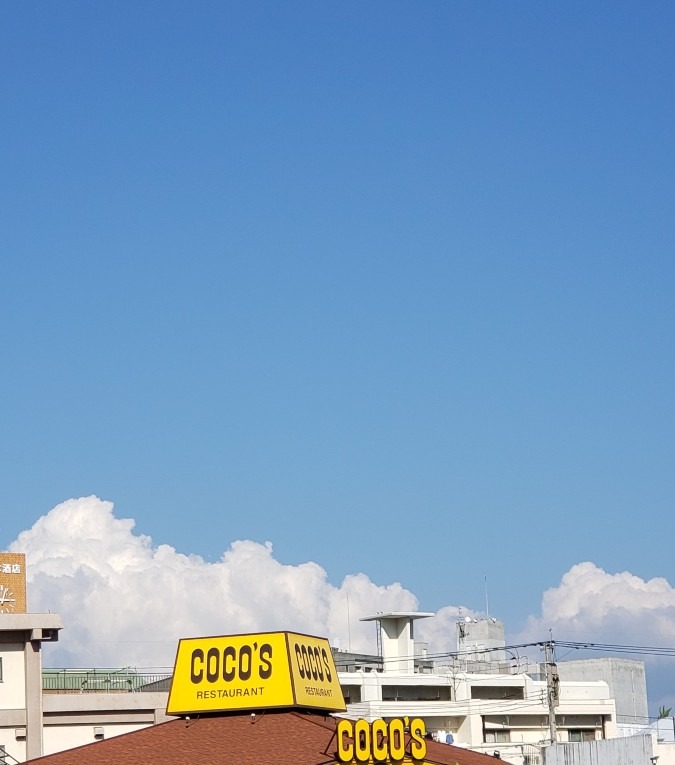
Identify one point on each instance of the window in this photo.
(580, 734)
(1, 678)
(497, 736)
(496, 692)
(416, 693)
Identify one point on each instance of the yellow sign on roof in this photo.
(255, 671)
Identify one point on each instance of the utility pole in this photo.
(552, 689)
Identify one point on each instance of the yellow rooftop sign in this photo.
(255, 671)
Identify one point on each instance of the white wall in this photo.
(13, 686)
(57, 739)
(15, 748)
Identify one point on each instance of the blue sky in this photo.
(388, 285)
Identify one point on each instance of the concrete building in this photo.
(625, 678)
(485, 699)
(481, 640)
(21, 698)
(481, 698)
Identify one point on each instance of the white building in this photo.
(503, 707)
(43, 712)
(21, 699)
(481, 698)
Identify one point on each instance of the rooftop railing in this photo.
(104, 681)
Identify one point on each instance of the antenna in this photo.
(487, 607)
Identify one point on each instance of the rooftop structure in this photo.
(396, 638)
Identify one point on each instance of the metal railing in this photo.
(6, 758)
(104, 681)
(531, 754)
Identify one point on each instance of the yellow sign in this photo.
(361, 741)
(12, 583)
(256, 671)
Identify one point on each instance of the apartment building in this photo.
(481, 697)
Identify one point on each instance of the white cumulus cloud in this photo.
(126, 602)
(593, 605)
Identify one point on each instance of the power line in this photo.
(642, 650)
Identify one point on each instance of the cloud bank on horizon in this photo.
(126, 602)
(591, 604)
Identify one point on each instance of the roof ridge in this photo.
(313, 717)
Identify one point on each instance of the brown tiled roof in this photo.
(446, 754)
(271, 738)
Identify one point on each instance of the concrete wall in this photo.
(13, 686)
(75, 719)
(475, 638)
(665, 753)
(14, 747)
(58, 739)
(626, 679)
